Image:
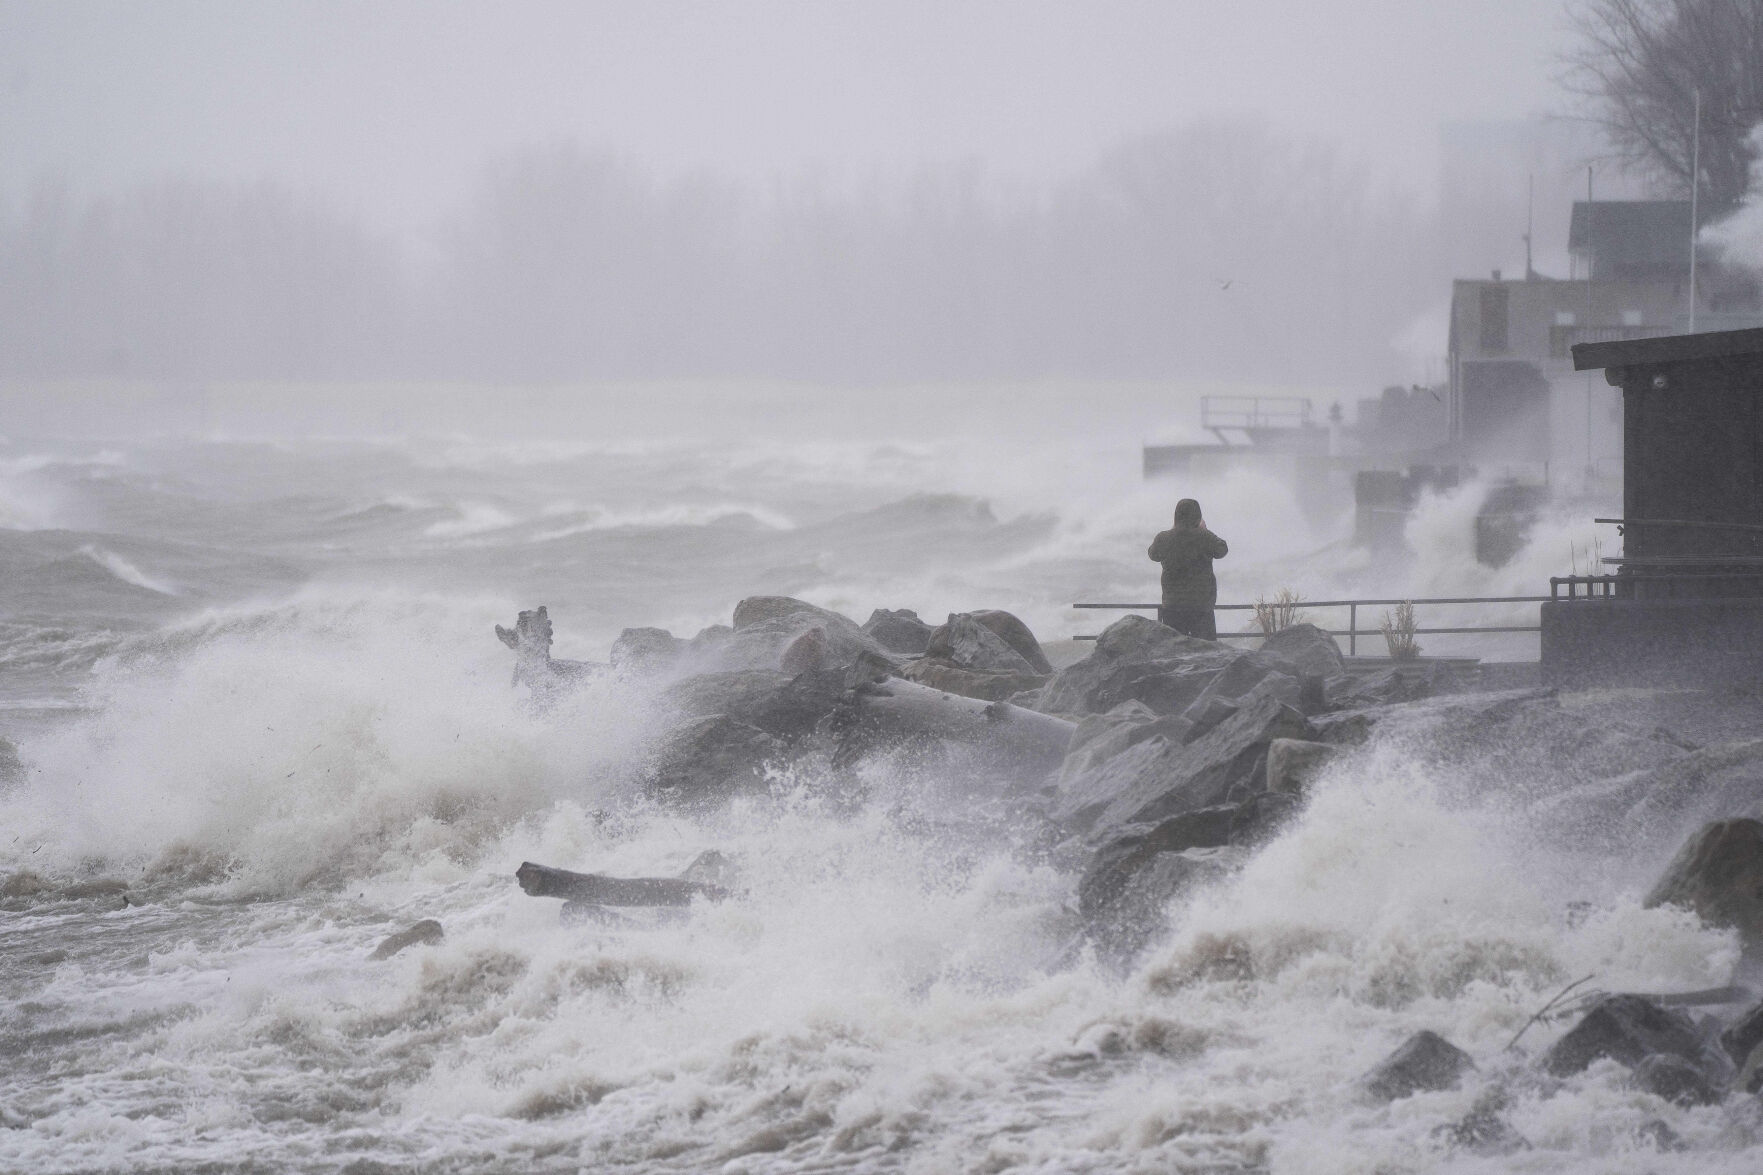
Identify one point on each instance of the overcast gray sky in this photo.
(391, 108)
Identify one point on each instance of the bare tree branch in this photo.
(1638, 68)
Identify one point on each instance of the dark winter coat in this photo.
(1187, 557)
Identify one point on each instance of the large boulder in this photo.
(1627, 1029)
(1158, 778)
(766, 627)
(1425, 1061)
(1137, 659)
(1135, 914)
(1123, 885)
(646, 649)
(787, 708)
(965, 656)
(760, 609)
(1675, 1080)
(898, 631)
(1016, 634)
(964, 642)
(1684, 792)
(1292, 763)
(1310, 651)
(709, 759)
(1100, 737)
(1719, 874)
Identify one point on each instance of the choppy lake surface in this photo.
(258, 682)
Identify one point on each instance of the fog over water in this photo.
(332, 336)
(838, 193)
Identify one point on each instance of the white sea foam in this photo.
(127, 572)
(895, 988)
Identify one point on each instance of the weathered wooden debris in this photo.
(534, 667)
(544, 881)
(875, 717)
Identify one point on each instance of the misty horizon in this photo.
(850, 196)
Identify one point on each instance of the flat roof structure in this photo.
(1720, 344)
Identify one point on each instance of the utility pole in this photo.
(1695, 194)
(1591, 214)
(1530, 197)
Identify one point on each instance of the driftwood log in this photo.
(543, 881)
(1024, 743)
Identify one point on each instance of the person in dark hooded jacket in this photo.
(1189, 588)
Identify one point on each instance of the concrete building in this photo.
(1515, 400)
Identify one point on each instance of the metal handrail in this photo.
(1352, 631)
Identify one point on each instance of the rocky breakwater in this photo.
(1159, 764)
(1172, 776)
(788, 684)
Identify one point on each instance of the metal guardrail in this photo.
(1254, 412)
(1352, 631)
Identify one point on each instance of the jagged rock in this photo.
(1627, 1029)
(1675, 1080)
(1425, 1061)
(1157, 779)
(1117, 862)
(1406, 683)
(964, 642)
(1685, 791)
(1293, 763)
(711, 758)
(1134, 915)
(646, 649)
(1016, 634)
(766, 626)
(424, 932)
(708, 640)
(1750, 1072)
(787, 708)
(898, 631)
(806, 653)
(1137, 659)
(1718, 874)
(1306, 647)
(970, 683)
(1246, 672)
(1099, 737)
(1744, 1036)
(759, 609)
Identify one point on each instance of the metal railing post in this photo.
(1352, 630)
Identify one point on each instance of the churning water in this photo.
(258, 682)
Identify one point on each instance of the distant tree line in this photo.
(1218, 249)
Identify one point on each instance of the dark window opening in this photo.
(1493, 320)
